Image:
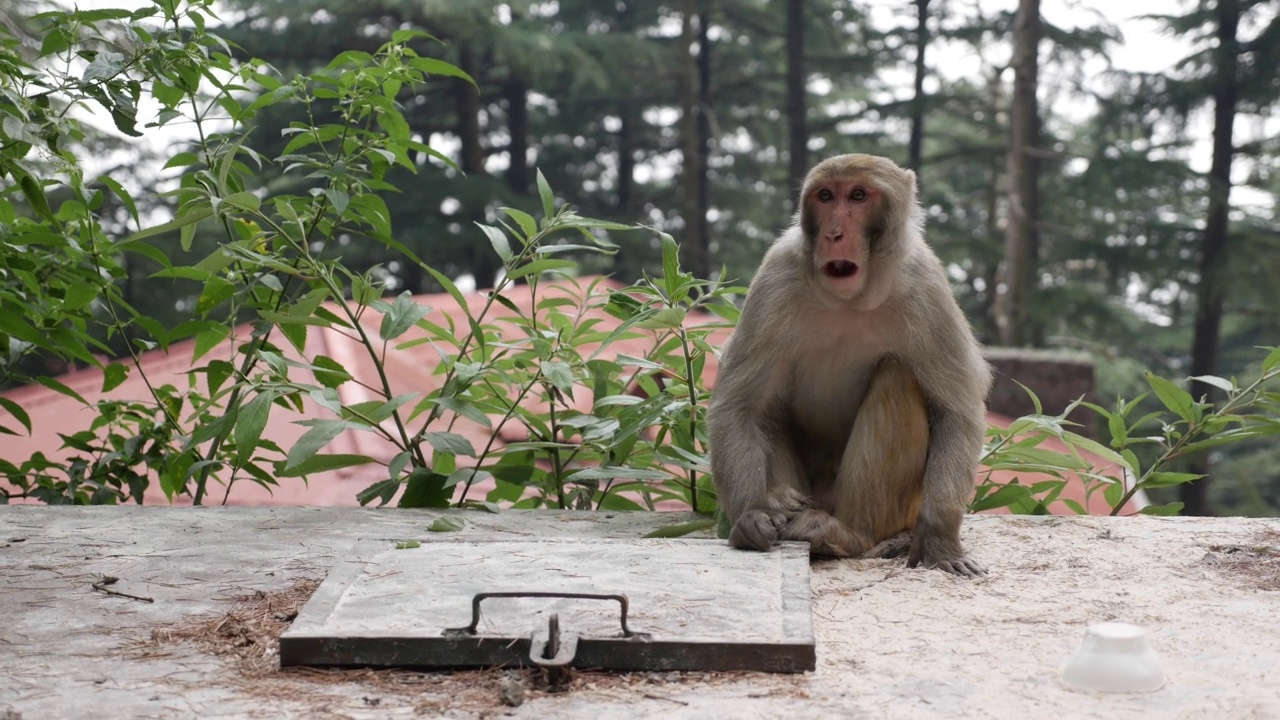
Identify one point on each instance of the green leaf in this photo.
(329, 373)
(614, 473)
(452, 443)
(614, 501)
(124, 196)
(57, 38)
(432, 66)
(105, 65)
(446, 524)
(1119, 431)
(1272, 360)
(33, 191)
(504, 491)
(425, 488)
(12, 324)
(498, 240)
(189, 219)
(1167, 510)
(1113, 494)
(209, 339)
(339, 199)
(464, 409)
(217, 373)
(1215, 381)
(1005, 496)
(548, 198)
(1168, 479)
(401, 316)
(670, 264)
(537, 267)
(250, 422)
(17, 412)
(382, 491)
(295, 333)
(560, 375)
(319, 435)
(1173, 397)
(527, 224)
(406, 35)
(377, 411)
(670, 317)
(394, 124)
(243, 200)
(58, 387)
(113, 375)
(682, 529)
(324, 463)
(182, 159)
(408, 545)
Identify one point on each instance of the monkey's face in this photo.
(841, 219)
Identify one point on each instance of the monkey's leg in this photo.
(879, 485)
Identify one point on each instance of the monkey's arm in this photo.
(955, 379)
(744, 446)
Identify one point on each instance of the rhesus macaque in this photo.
(849, 406)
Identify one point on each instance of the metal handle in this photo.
(475, 609)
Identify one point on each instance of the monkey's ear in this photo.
(911, 178)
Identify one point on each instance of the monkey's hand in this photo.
(930, 552)
(759, 528)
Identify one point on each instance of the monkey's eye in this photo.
(825, 195)
(858, 194)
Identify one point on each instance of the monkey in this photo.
(849, 409)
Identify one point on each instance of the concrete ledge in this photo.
(892, 642)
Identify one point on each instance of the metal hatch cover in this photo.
(684, 605)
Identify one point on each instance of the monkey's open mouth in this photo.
(840, 269)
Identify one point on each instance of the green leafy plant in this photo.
(1143, 449)
(640, 442)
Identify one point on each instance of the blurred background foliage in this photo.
(685, 115)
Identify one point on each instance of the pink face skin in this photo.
(842, 211)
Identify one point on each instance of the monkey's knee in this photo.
(755, 530)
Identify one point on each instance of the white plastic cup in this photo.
(1114, 657)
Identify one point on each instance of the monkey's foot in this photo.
(895, 547)
(957, 564)
(760, 528)
(827, 536)
(962, 566)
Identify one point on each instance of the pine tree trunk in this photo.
(467, 101)
(692, 247)
(703, 230)
(517, 92)
(916, 145)
(1209, 298)
(797, 107)
(1021, 253)
(484, 262)
(626, 161)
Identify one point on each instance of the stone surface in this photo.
(689, 604)
(891, 642)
